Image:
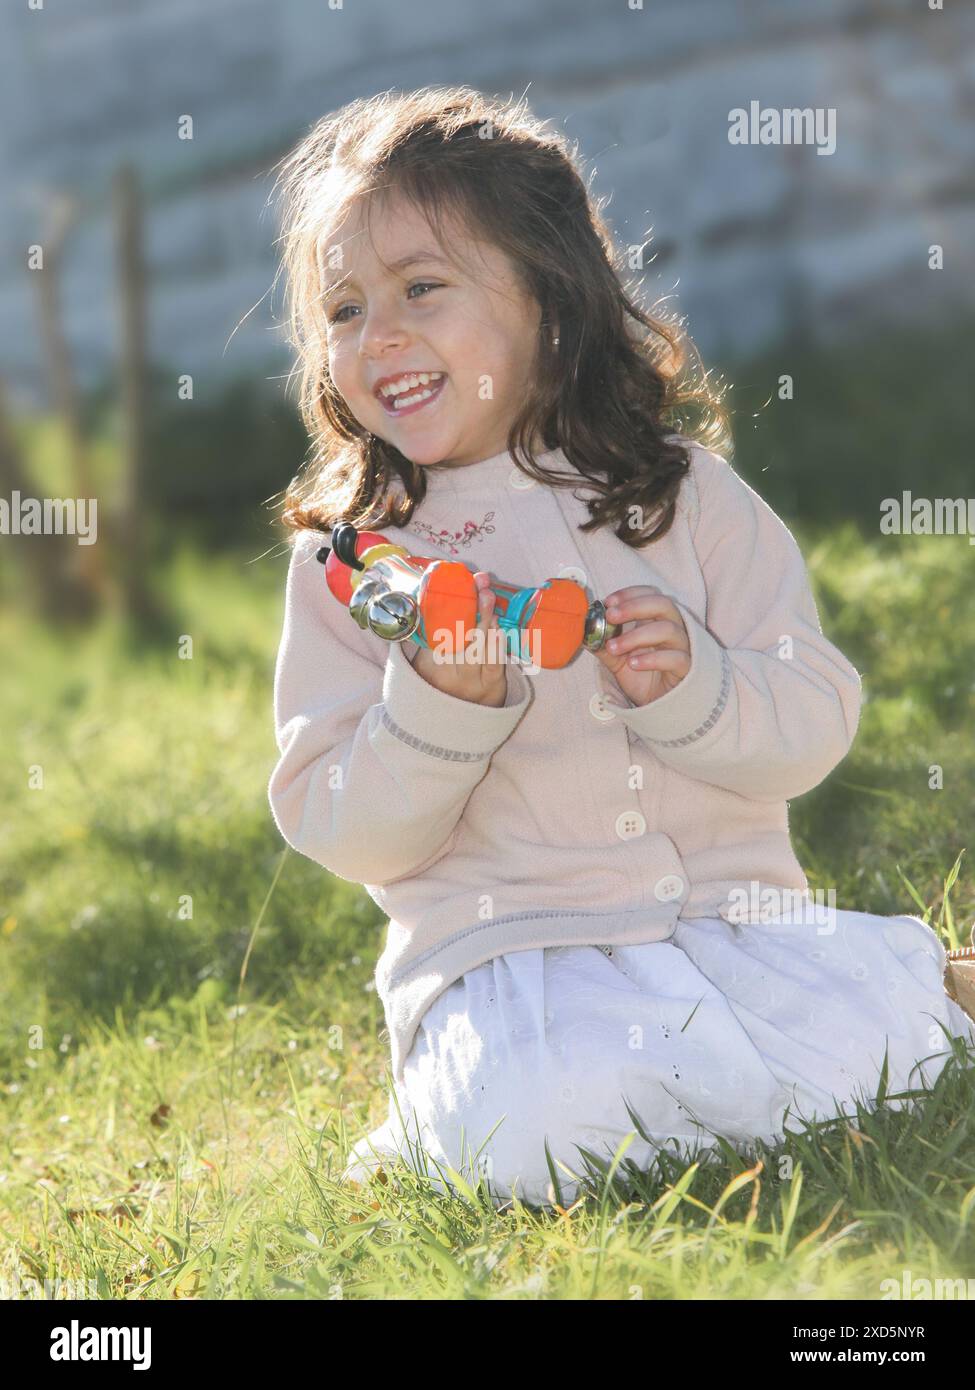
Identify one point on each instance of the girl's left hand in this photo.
(654, 655)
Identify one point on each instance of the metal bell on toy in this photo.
(400, 596)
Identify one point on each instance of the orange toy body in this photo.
(434, 602)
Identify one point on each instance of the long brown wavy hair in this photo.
(622, 393)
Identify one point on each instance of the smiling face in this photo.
(453, 350)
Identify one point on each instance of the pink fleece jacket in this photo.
(566, 816)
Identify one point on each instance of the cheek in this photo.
(342, 368)
(504, 362)
(479, 353)
(511, 347)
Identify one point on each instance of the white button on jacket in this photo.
(668, 887)
(573, 572)
(630, 824)
(520, 480)
(599, 708)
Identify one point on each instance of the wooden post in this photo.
(133, 533)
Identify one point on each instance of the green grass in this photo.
(169, 1132)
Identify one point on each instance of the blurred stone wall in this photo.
(751, 242)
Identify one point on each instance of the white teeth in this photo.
(409, 383)
(411, 400)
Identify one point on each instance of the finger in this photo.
(486, 618)
(486, 599)
(630, 591)
(607, 658)
(660, 659)
(640, 606)
(660, 633)
(496, 649)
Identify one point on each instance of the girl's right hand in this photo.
(483, 682)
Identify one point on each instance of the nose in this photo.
(381, 333)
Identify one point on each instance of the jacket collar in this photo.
(487, 475)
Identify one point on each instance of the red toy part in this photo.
(338, 577)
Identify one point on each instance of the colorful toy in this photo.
(397, 595)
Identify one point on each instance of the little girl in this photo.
(598, 930)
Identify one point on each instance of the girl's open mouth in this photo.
(408, 402)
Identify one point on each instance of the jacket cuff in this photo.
(694, 706)
(436, 722)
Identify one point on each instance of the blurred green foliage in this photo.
(212, 461)
(868, 419)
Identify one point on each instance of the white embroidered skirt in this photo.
(740, 1031)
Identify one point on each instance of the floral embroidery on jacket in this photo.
(453, 540)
